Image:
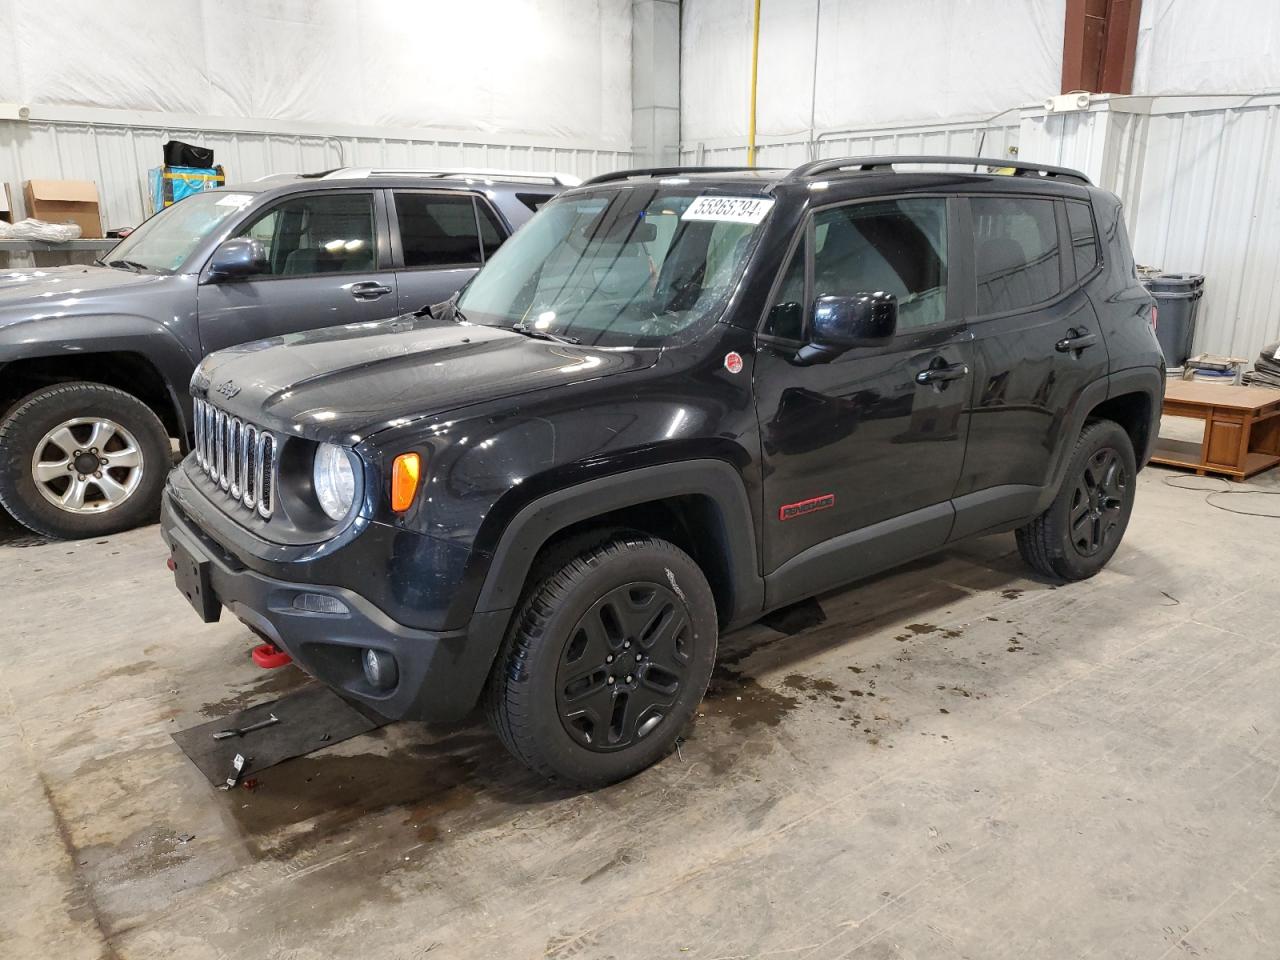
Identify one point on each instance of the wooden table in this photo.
(1241, 429)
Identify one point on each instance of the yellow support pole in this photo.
(755, 63)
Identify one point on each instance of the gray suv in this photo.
(95, 360)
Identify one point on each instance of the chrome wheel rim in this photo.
(87, 465)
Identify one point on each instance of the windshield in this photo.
(643, 266)
(164, 242)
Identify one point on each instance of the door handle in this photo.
(955, 371)
(1078, 340)
(369, 290)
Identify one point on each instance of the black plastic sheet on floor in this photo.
(310, 719)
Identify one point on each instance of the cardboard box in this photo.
(65, 201)
(6, 203)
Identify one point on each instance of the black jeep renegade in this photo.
(676, 400)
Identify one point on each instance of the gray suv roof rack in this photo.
(662, 172)
(882, 164)
(531, 176)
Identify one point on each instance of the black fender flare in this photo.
(1133, 380)
(1148, 380)
(543, 518)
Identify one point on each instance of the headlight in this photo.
(334, 480)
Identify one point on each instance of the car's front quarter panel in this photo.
(155, 322)
(484, 464)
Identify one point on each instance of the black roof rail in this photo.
(660, 172)
(865, 164)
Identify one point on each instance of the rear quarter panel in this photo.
(1122, 303)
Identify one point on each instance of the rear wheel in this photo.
(82, 460)
(1080, 531)
(607, 659)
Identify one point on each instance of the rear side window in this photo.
(1084, 242)
(534, 201)
(437, 230)
(1017, 255)
(895, 246)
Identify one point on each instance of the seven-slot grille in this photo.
(240, 457)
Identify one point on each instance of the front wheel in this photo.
(1080, 531)
(82, 460)
(606, 661)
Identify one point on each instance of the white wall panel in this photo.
(1205, 200)
(1198, 177)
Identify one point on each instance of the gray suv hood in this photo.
(50, 286)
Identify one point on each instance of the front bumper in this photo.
(440, 673)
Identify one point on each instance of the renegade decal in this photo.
(789, 511)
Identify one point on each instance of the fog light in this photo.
(380, 669)
(319, 603)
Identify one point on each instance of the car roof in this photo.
(860, 174)
(506, 182)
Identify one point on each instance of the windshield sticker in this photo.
(728, 209)
(235, 200)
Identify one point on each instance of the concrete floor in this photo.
(961, 762)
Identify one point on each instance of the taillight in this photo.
(405, 472)
(1154, 316)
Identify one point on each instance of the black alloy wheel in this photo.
(624, 665)
(1098, 502)
(606, 658)
(1082, 527)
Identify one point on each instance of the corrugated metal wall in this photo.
(1206, 199)
(117, 157)
(960, 138)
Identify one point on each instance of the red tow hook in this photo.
(268, 656)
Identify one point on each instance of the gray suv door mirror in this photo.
(842, 323)
(237, 258)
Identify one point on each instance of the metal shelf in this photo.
(42, 246)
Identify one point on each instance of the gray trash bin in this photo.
(1177, 299)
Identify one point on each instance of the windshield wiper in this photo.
(544, 335)
(133, 265)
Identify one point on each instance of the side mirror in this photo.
(842, 323)
(237, 258)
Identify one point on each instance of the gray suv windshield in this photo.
(164, 242)
(637, 267)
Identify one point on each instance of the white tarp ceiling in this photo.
(1208, 46)
(558, 68)
(888, 61)
(878, 61)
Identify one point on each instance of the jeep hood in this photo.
(343, 384)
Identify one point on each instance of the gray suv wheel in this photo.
(82, 460)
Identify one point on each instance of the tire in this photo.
(127, 492)
(1080, 531)
(553, 697)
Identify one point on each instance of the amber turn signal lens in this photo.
(404, 481)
